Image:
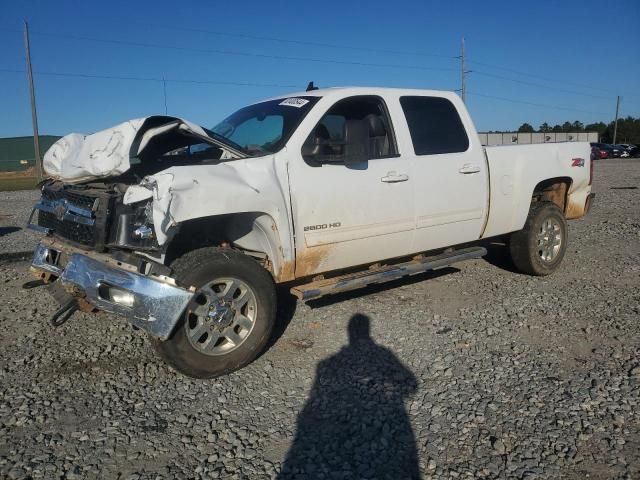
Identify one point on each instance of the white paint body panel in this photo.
(239, 186)
(516, 170)
(450, 205)
(438, 206)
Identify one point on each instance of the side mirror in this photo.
(311, 148)
(356, 138)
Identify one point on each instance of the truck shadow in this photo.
(354, 423)
(498, 254)
(7, 230)
(287, 303)
(381, 287)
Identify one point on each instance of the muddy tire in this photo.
(230, 318)
(538, 249)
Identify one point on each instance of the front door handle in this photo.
(469, 168)
(393, 177)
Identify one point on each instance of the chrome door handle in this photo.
(393, 177)
(469, 168)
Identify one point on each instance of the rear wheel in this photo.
(538, 249)
(230, 318)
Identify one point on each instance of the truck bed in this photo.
(516, 170)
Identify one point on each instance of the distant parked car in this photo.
(624, 153)
(606, 150)
(597, 154)
(617, 151)
(632, 149)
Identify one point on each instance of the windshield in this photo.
(265, 127)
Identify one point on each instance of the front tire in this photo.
(230, 318)
(538, 249)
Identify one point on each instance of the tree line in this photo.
(628, 129)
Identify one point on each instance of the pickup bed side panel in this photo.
(516, 170)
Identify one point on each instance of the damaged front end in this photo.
(131, 287)
(101, 252)
(107, 210)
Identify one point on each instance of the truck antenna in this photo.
(311, 87)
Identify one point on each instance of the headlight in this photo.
(134, 226)
(143, 232)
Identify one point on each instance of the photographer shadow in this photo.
(354, 424)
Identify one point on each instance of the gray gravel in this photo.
(15, 208)
(474, 372)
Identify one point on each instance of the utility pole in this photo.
(615, 125)
(462, 72)
(34, 115)
(164, 91)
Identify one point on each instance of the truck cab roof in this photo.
(347, 91)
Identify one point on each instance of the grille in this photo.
(85, 235)
(76, 232)
(72, 197)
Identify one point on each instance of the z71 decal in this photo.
(577, 162)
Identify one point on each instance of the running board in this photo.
(352, 281)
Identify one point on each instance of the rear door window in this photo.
(434, 125)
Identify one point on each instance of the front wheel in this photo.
(230, 318)
(538, 249)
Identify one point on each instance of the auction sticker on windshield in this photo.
(295, 102)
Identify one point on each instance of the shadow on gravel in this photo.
(287, 304)
(498, 255)
(7, 230)
(354, 424)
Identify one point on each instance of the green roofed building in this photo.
(17, 153)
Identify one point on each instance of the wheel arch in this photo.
(254, 233)
(554, 190)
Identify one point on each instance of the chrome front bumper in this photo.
(157, 303)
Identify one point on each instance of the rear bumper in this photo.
(153, 303)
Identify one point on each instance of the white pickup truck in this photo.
(186, 231)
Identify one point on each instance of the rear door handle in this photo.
(393, 177)
(469, 168)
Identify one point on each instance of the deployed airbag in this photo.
(77, 157)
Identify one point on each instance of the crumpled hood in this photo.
(77, 157)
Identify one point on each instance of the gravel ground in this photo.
(472, 372)
(15, 208)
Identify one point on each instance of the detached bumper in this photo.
(151, 303)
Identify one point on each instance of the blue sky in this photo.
(573, 55)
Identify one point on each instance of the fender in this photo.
(257, 186)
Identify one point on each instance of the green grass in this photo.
(17, 183)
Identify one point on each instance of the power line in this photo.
(292, 41)
(282, 40)
(251, 84)
(238, 53)
(555, 80)
(553, 107)
(150, 79)
(533, 84)
(335, 46)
